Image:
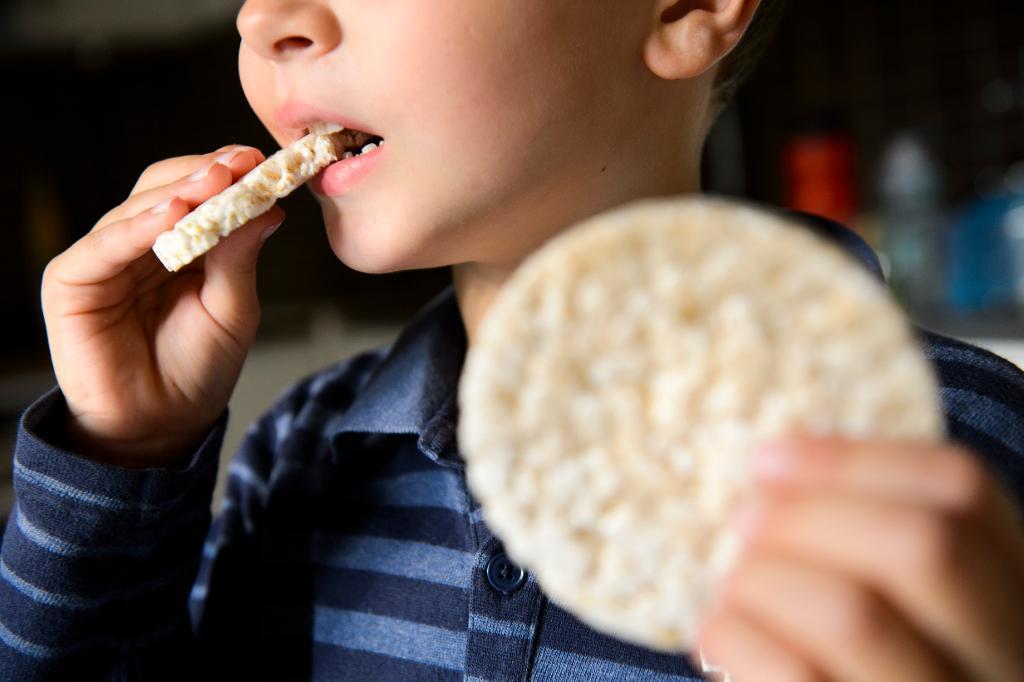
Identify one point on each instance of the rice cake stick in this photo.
(250, 197)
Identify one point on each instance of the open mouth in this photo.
(348, 142)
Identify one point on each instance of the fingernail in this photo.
(747, 519)
(773, 461)
(234, 147)
(200, 174)
(269, 231)
(162, 207)
(227, 157)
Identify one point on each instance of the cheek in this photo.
(257, 81)
(464, 73)
(248, 67)
(504, 101)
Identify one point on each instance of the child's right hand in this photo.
(147, 359)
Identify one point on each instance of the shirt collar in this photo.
(843, 237)
(413, 389)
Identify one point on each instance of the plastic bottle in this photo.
(914, 226)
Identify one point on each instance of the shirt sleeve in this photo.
(97, 561)
(104, 572)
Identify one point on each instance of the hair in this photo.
(740, 64)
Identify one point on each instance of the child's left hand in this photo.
(873, 560)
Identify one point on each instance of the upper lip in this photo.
(295, 116)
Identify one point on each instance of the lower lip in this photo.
(341, 176)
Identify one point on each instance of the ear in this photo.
(690, 36)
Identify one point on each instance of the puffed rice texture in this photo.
(623, 375)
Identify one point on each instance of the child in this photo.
(348, 546)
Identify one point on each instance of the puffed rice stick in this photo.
(250, 197)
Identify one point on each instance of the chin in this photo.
(368, 261)
(375, 249)
(392, 238)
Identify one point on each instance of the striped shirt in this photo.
(348, 546)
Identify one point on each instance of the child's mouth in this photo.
(350, 142)
(356, 151)
(357, 143)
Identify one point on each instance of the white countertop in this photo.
(1011, 349)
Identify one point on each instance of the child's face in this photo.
(503, 120)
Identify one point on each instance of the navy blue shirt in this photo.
(348, 546)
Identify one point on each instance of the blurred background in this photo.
(903, 119)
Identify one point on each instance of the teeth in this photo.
(366, 148)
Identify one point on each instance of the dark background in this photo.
(952, 70)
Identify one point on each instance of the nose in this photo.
(286, 30)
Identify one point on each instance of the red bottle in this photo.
(818, 165)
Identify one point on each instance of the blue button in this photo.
(503, 575)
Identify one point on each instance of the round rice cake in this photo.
(626, 370)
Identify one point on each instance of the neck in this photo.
(477, 283)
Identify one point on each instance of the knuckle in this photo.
(148, 173)
(146, 179)
(46, 283)
(49, 268)
(107, 218)
(53, 294)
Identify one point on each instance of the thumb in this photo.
(229, 288)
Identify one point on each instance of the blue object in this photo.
(981, 268)
(503, 575)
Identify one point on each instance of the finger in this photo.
(938, 475)
(229, 288)
(843, 629)
(189, 187)
(103, 254)
(168, 170)
(943, 476)
(734, 648)
(943, 575)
